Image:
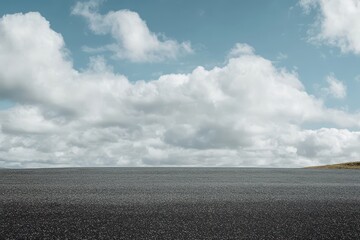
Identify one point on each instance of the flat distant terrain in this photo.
(179, 203)
(348, 165)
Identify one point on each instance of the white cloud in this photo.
(337, 23)
(241, 49)
(335, 88)
(134, 40)
(322, 144)
(27, 120)
(307, 5)
(245, 113)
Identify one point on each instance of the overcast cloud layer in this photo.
(245, 113)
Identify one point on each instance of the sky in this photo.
(203, 83)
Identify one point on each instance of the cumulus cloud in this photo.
(133, 39)
(337, 23)
(335, 88)
(326, 142)
(247, 112)
(241, 49)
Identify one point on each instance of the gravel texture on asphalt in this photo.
(179, 203)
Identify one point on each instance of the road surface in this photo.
(179, 203)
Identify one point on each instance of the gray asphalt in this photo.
(179, 203)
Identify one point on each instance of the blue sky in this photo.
(294, 36)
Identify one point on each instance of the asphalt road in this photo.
(179, 203)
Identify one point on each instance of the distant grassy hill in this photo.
(348, 165)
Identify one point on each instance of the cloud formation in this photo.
(337, 23)
(133, 39)
(245, 113)
(239, 49)
(336, 88)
